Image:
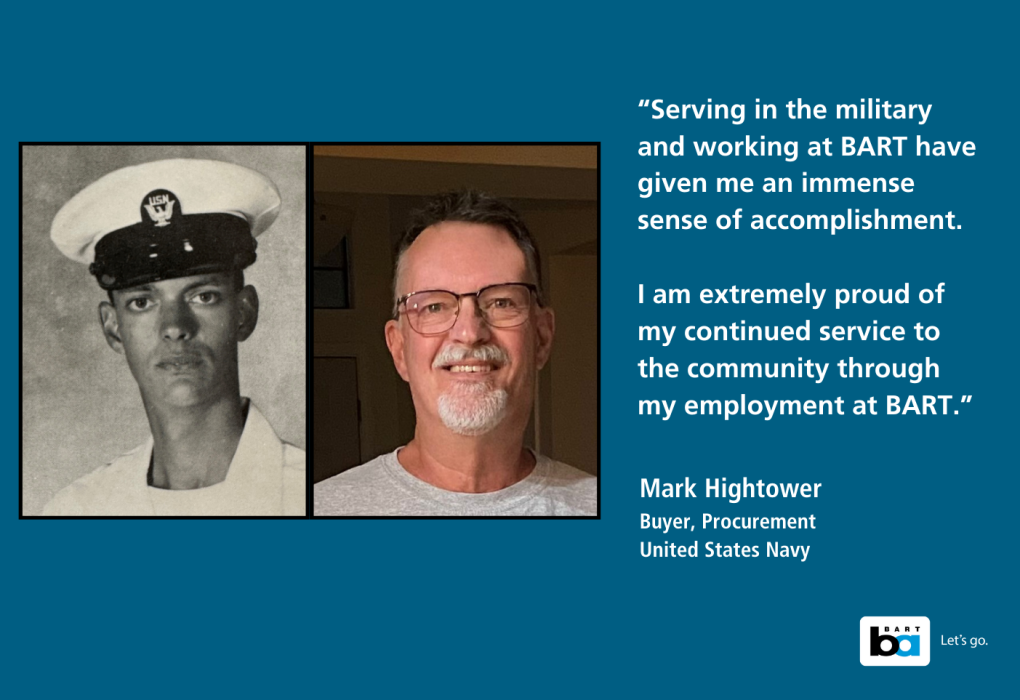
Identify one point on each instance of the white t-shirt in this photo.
(384, 487)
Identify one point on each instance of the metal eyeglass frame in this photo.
(402, 304)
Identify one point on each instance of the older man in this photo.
(469, 335)
(168, 241)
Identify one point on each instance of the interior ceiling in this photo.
(399, 177)
(583, 157)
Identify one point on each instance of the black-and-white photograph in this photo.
(163, 330)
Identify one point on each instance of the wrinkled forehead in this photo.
(461, 257)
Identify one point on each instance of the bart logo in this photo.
(895, 641)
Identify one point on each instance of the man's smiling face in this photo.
(472, 377)
(180, 336)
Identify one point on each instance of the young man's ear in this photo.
(395, 342)
(248, 306)
(111, 327)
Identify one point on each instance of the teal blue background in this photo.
(917, 515)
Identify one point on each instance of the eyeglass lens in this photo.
(502, 306)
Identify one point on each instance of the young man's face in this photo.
(472, 377)
(180, 336)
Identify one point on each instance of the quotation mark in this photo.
(644, 103)
(964, 399)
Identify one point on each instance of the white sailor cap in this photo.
(166, 219)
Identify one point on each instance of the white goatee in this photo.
(472, 407)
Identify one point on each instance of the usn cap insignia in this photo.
(159, 205)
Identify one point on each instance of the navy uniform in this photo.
(165, 220)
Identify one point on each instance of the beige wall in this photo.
(574, 397)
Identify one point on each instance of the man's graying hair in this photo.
(474, 207)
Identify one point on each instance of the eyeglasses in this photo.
(500, 305)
